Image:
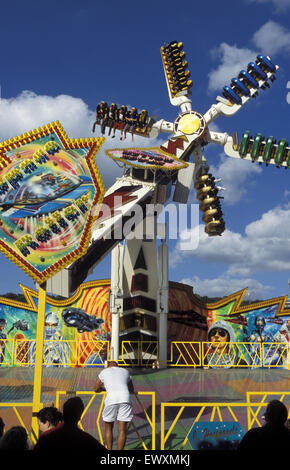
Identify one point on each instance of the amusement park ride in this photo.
(57, 222)
(149, 174)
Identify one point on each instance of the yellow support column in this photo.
(38, 356)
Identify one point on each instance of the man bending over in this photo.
(118, 406)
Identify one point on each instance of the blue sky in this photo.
(58, 59)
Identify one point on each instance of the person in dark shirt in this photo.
(273, 435)
(69, 436)
(2, 426)
(15, 439)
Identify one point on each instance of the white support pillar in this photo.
(116, 298)
(162, 304)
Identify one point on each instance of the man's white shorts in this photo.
(119, 411)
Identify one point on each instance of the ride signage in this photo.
(50, 188)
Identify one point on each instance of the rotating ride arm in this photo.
(247, 85)
(259, 149)
(177, 75)
(254, 148)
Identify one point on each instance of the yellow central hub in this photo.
(189, 124)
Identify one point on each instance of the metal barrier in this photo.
(65, 353)
(85, 353)
(253, 416)
(91, 353)
(185, 354)
(6, 352)
(253, 408)
(20, 421)
(138, 353)
(151, 420)
(232, 354)
(221, 412)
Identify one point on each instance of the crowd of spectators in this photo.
(58, 431)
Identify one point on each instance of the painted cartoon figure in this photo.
(283, 336)
(259, 333)
(3, 338)
(220, 335)
(55, 350)
(84, 323)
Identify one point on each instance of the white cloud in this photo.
(28, 111)
(232, 60)
(236, 175)
(227, 285)
(265, 247)
(272, 38)
(280, 5)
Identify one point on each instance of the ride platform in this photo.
(167, 402)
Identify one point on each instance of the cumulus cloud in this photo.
(28, 111)
(265, 246)
(280, 5)
(232, 59)
(236, 175)
(272, 38)
(225, 285)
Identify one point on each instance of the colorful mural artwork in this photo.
(262, 327)
(232, 335)
(76, 332)
(49, 185)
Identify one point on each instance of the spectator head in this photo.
(14, 439)
(276, 412)
(2, 425)
(112, 364)
(48, 418)
(72, 411)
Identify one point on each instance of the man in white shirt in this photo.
(118, 384)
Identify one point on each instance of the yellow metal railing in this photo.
(236, 355)
(65, 353)
(138, 353)
(263, 397)
(84, 353)
(18, 419)
(90, 353)
(185, 354)
(92, 402)
(253, 408)
(6, 352)
(232, 354)
(221, 412)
